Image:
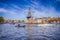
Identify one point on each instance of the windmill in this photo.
(29, 17)
(29, 14)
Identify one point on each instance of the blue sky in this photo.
(18, 9)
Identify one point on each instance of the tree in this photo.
(1, 19)
(19, 20)
(23, 21)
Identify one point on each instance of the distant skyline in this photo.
(18, 9)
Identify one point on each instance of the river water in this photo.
(30, 32)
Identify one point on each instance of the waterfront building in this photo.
(42, 20)
(52, 20)
(58, 20)
(38, 20)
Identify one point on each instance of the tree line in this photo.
(1, 19)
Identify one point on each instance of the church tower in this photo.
(29, 17)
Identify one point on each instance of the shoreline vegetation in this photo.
(2, 21)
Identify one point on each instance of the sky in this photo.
(18, 9)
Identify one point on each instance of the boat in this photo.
(20, 25)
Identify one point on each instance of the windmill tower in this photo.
(29, 17)
(29, 14)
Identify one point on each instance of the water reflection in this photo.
(46, 25)
(29, 25)
(30, 32)
(42, 31)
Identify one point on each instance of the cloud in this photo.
(17, 11)
(2, 10)
(13, 13)
(46, 12)
(6, 11)
(16, 7)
